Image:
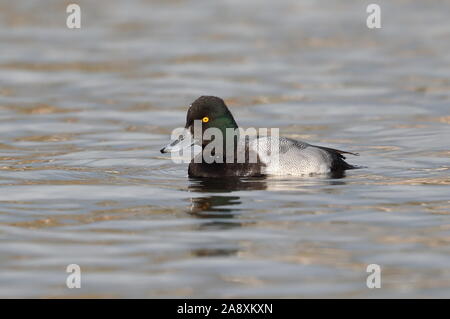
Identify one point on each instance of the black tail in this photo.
(339, 163)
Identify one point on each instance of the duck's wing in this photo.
(338, 162)
(287, 144)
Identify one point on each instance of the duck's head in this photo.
(211, 112)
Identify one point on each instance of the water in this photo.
(84, 113)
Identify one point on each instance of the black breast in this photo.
(199, 168)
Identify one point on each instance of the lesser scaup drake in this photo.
(294, 158)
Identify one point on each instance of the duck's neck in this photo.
(230, 138)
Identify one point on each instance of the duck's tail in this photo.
(339, 162)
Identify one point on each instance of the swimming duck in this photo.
(293, 158)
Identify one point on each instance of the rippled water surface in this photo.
(83, 114)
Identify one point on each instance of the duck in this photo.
(248, 156)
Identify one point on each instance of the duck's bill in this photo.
(184, 140)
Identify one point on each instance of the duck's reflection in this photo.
(227, 184)
(221, 208)
(220, 212)
(218, 206)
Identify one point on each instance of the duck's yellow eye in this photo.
(205, 119)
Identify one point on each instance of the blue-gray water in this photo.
(83, 114)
